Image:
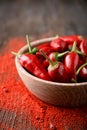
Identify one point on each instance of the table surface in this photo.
(38, 19)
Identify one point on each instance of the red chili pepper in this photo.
(31, 63)
(70, 39)
(45, 64)
(71, 63)
(83, 46)
(40, 57)
(56, 70)
(43, 45)
(58, 45)
(31, 50)
(82, 72)
(53, 56)
(47, 50)
(82, 60)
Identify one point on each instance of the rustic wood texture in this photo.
(39, 19)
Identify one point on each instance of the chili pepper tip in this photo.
(16, 54)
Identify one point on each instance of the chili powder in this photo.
(20, 110)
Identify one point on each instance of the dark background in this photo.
(42, 17)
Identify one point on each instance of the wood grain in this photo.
(42, 17)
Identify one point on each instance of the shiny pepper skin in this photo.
(58, 73)
(71, 64)
(46, 48)
(45, 64)
(83, 73)
(40, 57)
(52, 56)
(58, 45)
(71, 39)
(43, 45)
(83, 46)
(31, 63)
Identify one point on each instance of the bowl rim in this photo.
(34, 43)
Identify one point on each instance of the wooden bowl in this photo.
(61, 94)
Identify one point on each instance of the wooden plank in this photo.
(42, 17)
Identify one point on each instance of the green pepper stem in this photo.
(80, 53)
(50, 61)
(73, 80)
(59, 55)
(16, 54)
(74, 47)
(28, 42)
(83, 65)
(57, 36)
(31, 50)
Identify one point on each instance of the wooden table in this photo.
(38, 19)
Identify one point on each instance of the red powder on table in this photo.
(20, 110)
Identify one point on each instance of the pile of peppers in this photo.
(63, 60)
